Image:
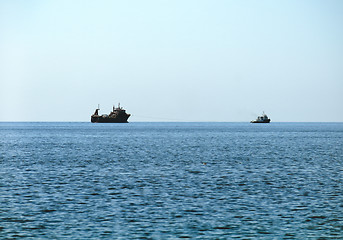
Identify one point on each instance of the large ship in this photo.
(261, 119)
(118, 115)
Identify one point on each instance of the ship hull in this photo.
(100, 119)
(264, 121)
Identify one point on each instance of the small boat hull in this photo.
(264, 121)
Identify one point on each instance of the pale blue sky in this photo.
(189, 60)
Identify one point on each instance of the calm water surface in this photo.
(171, 181)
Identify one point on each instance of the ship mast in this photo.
(97, 110)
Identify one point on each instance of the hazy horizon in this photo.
(171, 61)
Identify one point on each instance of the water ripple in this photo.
(171, 181)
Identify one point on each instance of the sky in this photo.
(172, 60)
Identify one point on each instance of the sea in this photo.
(171, 180)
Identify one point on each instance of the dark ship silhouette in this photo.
(118, 115)
(261, 119)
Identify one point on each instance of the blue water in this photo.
(171, 181)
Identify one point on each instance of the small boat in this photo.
(261, 119)
(118, 115)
